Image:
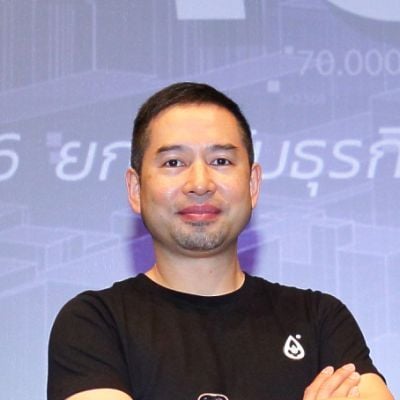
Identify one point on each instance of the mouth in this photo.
(202, 212)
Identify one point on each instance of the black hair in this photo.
(182, 93)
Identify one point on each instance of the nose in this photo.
(199, 180)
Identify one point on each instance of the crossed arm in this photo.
(344, 383)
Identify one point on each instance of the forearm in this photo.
(372, 387)
(346, 383)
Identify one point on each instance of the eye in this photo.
(173, 163)
(221, 162)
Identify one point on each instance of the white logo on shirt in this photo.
(293, 349)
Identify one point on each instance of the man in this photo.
(195, 326)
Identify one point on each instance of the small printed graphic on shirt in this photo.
(293, 349)
(212, 396)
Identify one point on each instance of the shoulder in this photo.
(97, 305)
(295, 303)
(87, 343)
(102, 296)
(283, 294)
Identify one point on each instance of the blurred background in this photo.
(320, 83)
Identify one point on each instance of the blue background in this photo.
(320, 85)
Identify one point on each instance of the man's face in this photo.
(196, 189)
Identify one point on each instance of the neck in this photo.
(206, 276)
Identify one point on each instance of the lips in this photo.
(201, 212)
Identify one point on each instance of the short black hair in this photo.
(183, 93)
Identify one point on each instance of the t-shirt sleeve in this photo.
(341, 340)
(85, 351)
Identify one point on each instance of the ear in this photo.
(255, 183)
(133, 186)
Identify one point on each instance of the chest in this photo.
(184, 354)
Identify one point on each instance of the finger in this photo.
(340, 383)
(349, 385)
(354, 392)
(312, 389)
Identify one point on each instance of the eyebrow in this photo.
(228, 146)
(174, 147)
(214, 147)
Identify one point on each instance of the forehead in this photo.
(194, 123)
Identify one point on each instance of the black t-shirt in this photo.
(263, 341)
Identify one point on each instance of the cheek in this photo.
(236, 190)
(157, 191)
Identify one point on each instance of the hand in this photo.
(328, 384)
